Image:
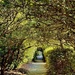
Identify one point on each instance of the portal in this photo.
(39, 56)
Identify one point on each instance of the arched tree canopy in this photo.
(45, 22)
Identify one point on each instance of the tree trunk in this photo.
(2, 70)
(2, 66)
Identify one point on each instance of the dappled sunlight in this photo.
(39, 34)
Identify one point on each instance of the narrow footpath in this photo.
(37, 68)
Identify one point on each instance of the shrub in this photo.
(22, 70)
(61, 62)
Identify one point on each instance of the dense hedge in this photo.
(61, 62)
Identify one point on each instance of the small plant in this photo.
(61, 62)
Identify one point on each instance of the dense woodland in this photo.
(33, 23)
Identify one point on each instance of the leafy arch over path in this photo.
(39, 20)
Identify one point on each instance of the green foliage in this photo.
(27, 57)
(38, 20)
(6, 3)
(61, 62)
(3, 50)
(13, 65)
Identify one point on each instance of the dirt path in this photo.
(37, 68)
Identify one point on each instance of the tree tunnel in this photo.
(39, 55)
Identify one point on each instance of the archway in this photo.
(39, 55)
